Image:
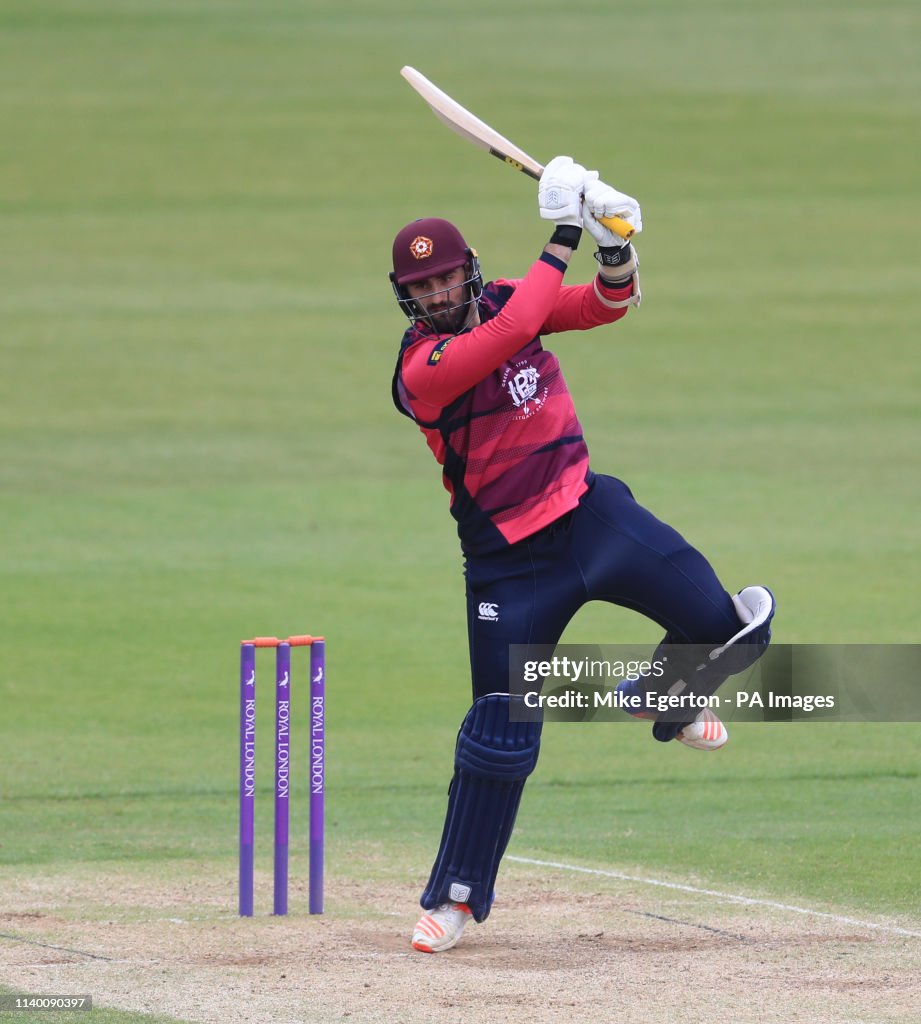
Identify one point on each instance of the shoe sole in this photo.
(423, 948)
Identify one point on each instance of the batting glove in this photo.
(559, 193)
(600, 200)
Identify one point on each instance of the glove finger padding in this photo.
(605, 201)
(559, 193)
(602, 200)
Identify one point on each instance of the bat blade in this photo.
(471, 128)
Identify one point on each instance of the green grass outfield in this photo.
(197, 334)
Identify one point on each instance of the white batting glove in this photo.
(559, 193)
(600, 200)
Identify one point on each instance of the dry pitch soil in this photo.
(557, 948)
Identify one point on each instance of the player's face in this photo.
(442, 298)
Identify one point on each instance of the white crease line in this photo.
(747, 900)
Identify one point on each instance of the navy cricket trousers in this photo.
(608, 548)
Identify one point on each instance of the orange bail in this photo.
(304, 640)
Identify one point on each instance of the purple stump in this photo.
(247, 774)
(282, 772)
(317, 771)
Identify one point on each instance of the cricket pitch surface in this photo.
(557, 948)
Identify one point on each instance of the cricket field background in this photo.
(197, 443)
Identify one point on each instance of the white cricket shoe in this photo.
(706, 732)
(440, 929)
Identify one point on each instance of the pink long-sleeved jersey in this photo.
(494, 407)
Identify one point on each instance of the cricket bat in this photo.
(471, 128)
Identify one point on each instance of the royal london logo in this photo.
(438, 351)
(522, 382)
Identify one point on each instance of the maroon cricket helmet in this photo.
(427, 247)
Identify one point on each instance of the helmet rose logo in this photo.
(421, 247)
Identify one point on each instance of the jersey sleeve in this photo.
(437, 369)
(581, 307)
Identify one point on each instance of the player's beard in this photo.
(451, 319)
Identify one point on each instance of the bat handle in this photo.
(619, 226)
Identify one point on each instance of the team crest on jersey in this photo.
(421, 247)
(522, 382)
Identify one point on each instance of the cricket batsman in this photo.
(541, 533)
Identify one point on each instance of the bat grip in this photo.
(619, 226)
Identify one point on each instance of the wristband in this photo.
(566, 234)
(614, 255)
(618, 264)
